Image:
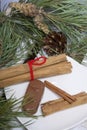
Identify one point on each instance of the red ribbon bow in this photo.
(34, 62)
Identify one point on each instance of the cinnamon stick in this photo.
(24, 68)
(56, 69)
(69, 98)
(53, 106)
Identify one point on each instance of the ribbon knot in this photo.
(35, 62)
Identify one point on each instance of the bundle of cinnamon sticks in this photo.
(54, 65)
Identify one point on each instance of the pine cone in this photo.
(55, 43)
(28, 9)
(39, 22)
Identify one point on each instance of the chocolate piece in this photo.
(33, 96)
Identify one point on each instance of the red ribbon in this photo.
(34, 62)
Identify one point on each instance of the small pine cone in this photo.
(28, 9)
(39, 22)
(55, 43)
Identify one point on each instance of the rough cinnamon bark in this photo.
(33, 96)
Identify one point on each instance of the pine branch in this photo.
(77, 50)
(71, 21)
(9, 110)
(20, 31)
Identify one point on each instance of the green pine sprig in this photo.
(10, 110)
(18, 34)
